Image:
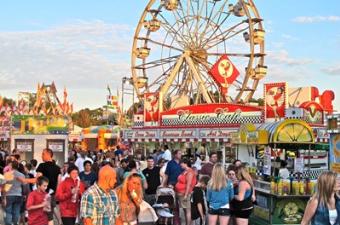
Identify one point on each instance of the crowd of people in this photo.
(97, 188)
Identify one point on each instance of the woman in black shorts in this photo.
(219, 194)
(242, 204)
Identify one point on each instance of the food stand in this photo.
(31, 134)
(188, 140)
(100, 137)
(202, 128)
(281, 201)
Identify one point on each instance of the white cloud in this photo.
(332, 70)
(282, 57)
(81, 55)
(316, 19)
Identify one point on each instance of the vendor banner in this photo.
(140, 134)
(275, 95)
(215, 133)
(39, 125)
(224, 114)
(151, 110)
(334, 153)
(224, 73)
(313, 113)
(176, 134)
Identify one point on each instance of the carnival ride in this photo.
(178, 45)
(48, 103)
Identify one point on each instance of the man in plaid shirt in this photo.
(99, 204)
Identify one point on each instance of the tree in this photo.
(8, 101)
(84, 118)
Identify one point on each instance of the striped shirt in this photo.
(102, 208)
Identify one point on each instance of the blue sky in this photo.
(86, 44)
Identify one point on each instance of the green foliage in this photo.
(87, 117)
(8, 101)
(259, 101)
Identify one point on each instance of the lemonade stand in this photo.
(281, 201)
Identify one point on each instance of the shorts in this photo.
(219, 212)
(244, 214)
(184, 203)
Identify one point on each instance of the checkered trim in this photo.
(138, 124)
(294, 117)
(212, 121)
(311, 174)
(322, 140)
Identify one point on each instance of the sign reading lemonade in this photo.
(39, 124)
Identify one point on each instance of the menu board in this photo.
(56, 146)
(299, 165)
(24, 146)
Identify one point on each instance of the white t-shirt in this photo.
(80, 163)
(167, 155)
(198, 164)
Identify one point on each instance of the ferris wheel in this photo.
(178, 42)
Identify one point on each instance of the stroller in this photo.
(165, 205)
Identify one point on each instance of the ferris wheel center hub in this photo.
(198, 53)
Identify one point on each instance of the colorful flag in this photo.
(224, 73)
(114, 100)
(151, 110)
(112, 103)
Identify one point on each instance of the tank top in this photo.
(182, 182)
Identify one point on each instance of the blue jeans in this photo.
(12, 209)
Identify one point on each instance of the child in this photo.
(198, 208)
(36, 202)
